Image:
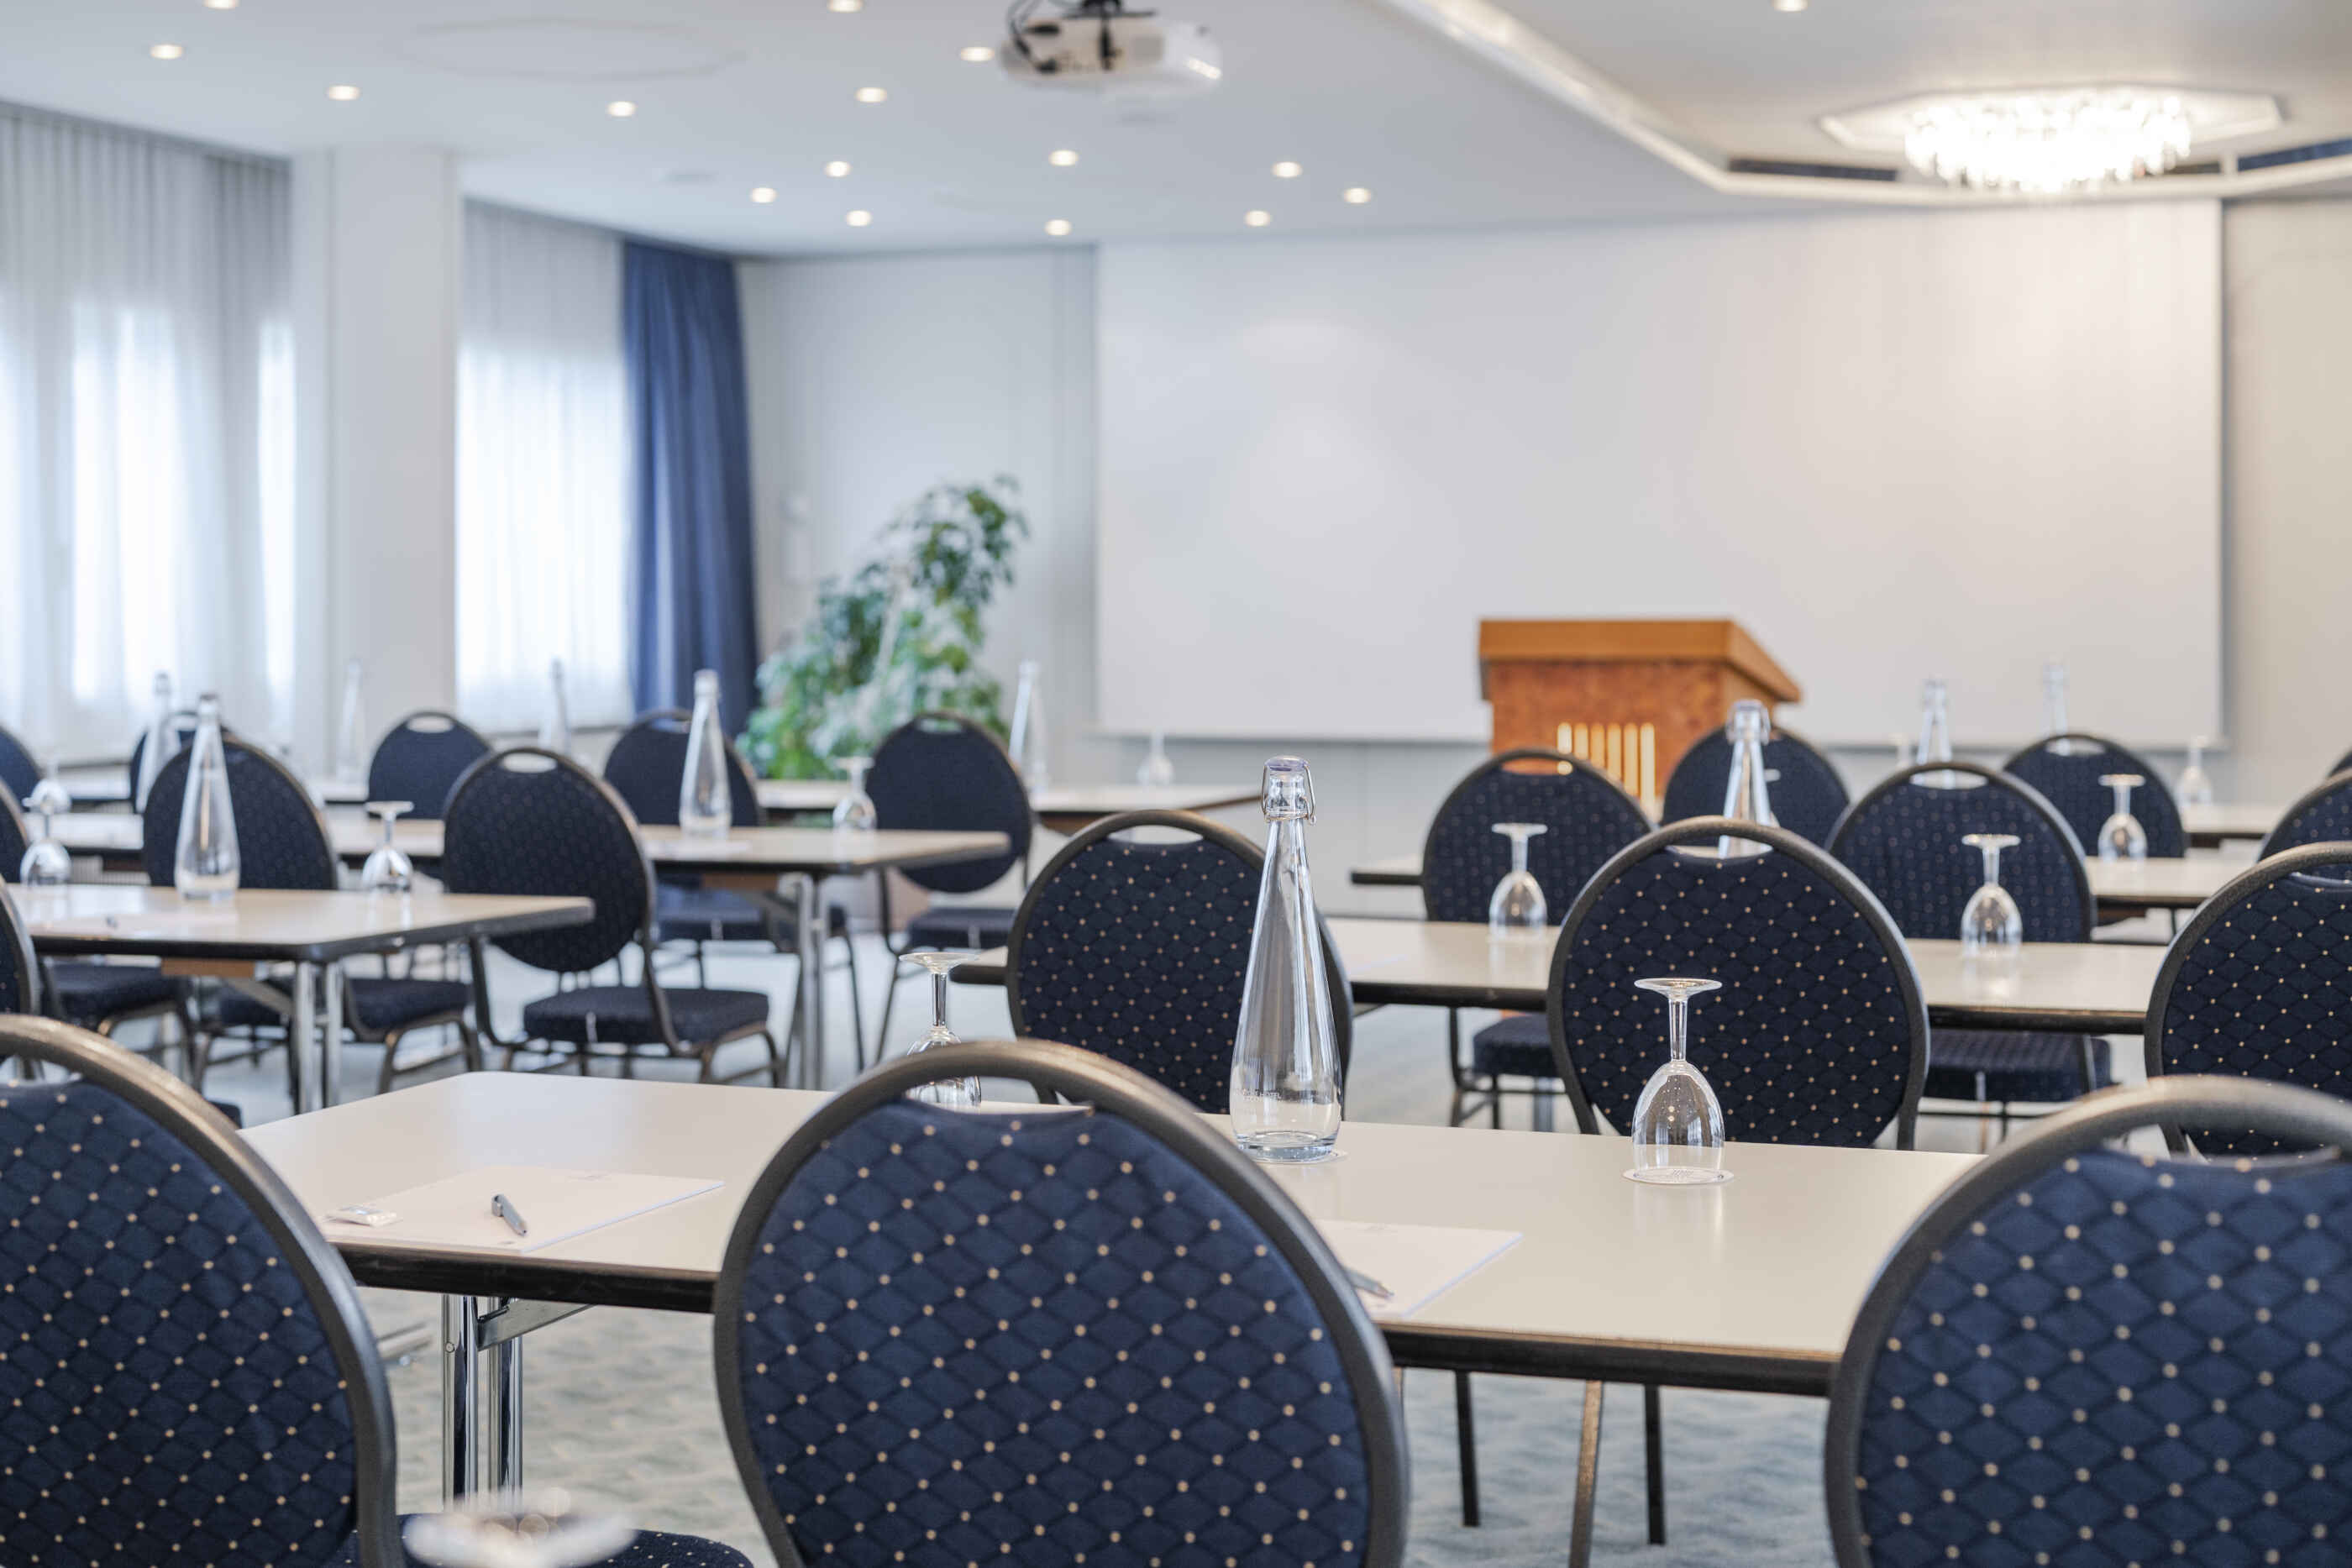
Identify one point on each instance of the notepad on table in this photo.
(1416, 1262)
(557, 1205)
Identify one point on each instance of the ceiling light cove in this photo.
(1789, 6)
(342, 92)
(845, 7)
(1286, 169)
(166, 51)
(873, 95)
(1057, 227)
(1257, 218)
(220, 5)
(837, 169)
(1062, 158)
(1355, 195)
(2053, 141)
(764, 194)
(620, 108)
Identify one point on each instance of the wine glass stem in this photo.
(939, 998)
(1677, 1026)
(1520, 853)
(1992, 865)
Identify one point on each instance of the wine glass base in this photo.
(1675, 1175)
(1294, 1153)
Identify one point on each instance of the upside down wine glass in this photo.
(1678, 1122)
(854, 812)
(45, 863)
(2121, 838)
(1990, 926)
(388, 867)
(1517, 907)
(956, 1093)
(2196, 785)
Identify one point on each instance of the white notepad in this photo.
(1416, 1262)
(557, 1205)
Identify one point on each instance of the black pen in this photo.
(501, 1206)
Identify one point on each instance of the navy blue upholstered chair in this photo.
(901, 1368)
(420, 761)
(1587, 818)
(20, 973)
(2259, 984)
(2070, 777)
(2322, 815)
(20, 770)
(2081, 1356)
(1137, 951)
(191, 1377)
(103, 997)
(282, 843)
(528, 822)
(1903, 839)
(184, 730)
(644, 768)
(942, 771)
(2343, 764)
(1807, 794)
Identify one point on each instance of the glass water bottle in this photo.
(161, 743)
(1286, 1087)
(206, 865)
(2195, 784)
(1029, 748)
(555, 724)
(1157, 772)
(2121, 838)
(2053, 698)
(1936, 733)
(706, 807)
(1747, 797)
(350, 730)
(1990, 923)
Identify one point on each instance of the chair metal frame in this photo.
(2254, 879)
(2281, 1109)
(326, 1282)
(704, 1053)
(1098, 1084)
(2334, 784)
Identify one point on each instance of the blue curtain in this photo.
(692, 581)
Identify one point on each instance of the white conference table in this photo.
(2208, 826)
(1063, 808)
(1767, 1268)
(314, 932)
(2070, 988)
(2121, 887)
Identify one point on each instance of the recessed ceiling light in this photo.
(1355, 195)
(845, 7)
(764, 194)
(836, 168)
(1257, 218)
(1061, 158)
(220, 5)
(620, 108)
(872, 94)
(976, 54)
(1286, 169)
(860, 218)
(166, 51)
(1057, 227)
(1789, 4)
(342, 92)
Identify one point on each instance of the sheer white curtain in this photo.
(542, 472)
(146, 431)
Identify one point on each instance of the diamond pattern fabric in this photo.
(1587, 818)
(375, 1005)
(89, 994)
(1905, 845)
(19, 986)
(975, 925)
(1519, 1045)
(420, 761)
(19, 769)
(623, 1015)
(686, 914)
(1810, 1040)
(281, 842)
(519, 828)
(2071, 781)
(2265, 991)
(1807, 797)
(168, 1394)
(2124, 1361)
(941, 772)
(2013, 1065)
(1138, 951)
(2323, 817)
(1043, 1340)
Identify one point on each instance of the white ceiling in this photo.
(738, 93)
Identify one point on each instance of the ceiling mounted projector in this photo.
(1101, 46)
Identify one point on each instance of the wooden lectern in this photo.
(1629, 695)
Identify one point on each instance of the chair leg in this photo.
(889, 999)
(857, 1003)
(391, 1055)
(471, 1043)
(1588, 1479)
(1653, 1461)
(776, 1060)
(1466, 1442)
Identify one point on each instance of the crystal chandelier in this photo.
(2048, 143)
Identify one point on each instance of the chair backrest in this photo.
(15, 837)
(1903, 839)
(190, 1377)
(20, 770)
(2259, 983)
(2322, 815)
(1100, 1333)
(647, 765)
(20, 972)
(281, 839)
(421, 759)
(2083, 1355)
(1587, 818)
(2069, 779)
(941, 770)
(183, 731)
(1138, 951)
(1807, 796)
(526, 821)
(1818, 1034)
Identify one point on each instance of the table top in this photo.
(1094, 800)
(2229, 819)
(109, 784)
(260, 925)
(2085, 988)
(768, 850)
(1583, 1293)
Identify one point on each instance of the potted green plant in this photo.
(901, 635)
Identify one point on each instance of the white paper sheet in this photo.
(1416, 1262)
(556, 1204)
